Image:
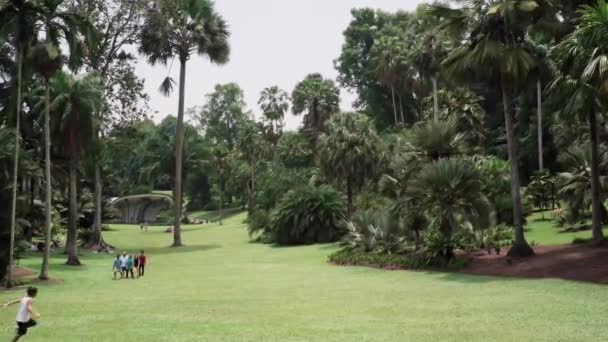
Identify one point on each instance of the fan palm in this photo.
(74, 106)
(434, 140)
(349, 151)
(180, 28)
(496, 50)
(451, 191)
(583, 86)
(274, 103)
(319, 98)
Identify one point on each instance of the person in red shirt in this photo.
(142, 260)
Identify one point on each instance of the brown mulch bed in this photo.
(28, 278)
(583, 262)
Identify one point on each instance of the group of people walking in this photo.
(125, 264)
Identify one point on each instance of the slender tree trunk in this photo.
(11, 252)
(97, 240)
(252, 200)
(44, 270)
(435, 99)
(596, 202)
(539, 95)
(179, 150)
(349, 193)
(401, 108)
(221, 199)
(521, 248)
(71, 245)
(394, 105)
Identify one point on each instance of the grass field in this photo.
(222, 288)
(545, 232)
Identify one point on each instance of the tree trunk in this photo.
(179, 150)
(521, 248)
(252, 199)
(539, 95)
(401, 108)
(435, 99)
(221, 199)
(44, 270)
(11, 252)
(596, 202)
(71, 244)
(349, 193)
(97, 241)
(394, 105)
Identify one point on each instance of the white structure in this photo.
(141, 208)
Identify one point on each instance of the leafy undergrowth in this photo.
(354, 257)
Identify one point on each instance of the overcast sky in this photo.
(273, 42)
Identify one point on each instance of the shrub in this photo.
(356, 257)
(259, 221)
(308, 215)
(437, 248)
(580, 241)
(375, 231)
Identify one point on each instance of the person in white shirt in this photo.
(25, 314)
(123, 264)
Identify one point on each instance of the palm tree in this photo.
(218, 162)
(17, 21)
(496, 50)
(180, 28)
(319, 98)
(74, 106)
(582, 57)
(47, 61)
(349, 151)
(450, 189)
(389, 55)
(249, 144)
(274, 103)
(436, 140)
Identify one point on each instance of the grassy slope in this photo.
(221, 288)
(545, 232)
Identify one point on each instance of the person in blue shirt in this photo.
(117, 268)
(130, 266)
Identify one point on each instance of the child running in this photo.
(25, 314)
(117, 268)
(141, 262)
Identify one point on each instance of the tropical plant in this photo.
(179, 29)
(349, 152)
(274, 103)
(496, 50)
(74, 107)
(377, 232)
(433, 140)
(319, 98)
(17, 24)
(389, 55)
(450, 190)
(295, 150)
(308, 215)
(541, 189)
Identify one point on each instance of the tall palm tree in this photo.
(349, 151)
(59, 26)
(74, 106)
(496, 50)
(180, 28)
(389, 54)
(218, 162)
(319, 98)
(17, 23)
(583, 58)
(274, 103)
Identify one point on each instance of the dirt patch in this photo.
(26, 278)
(585, 262)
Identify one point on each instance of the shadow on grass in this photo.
(184, 249)
(469, 278)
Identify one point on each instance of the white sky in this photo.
(273, 42)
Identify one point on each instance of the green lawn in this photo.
(222, 288)
(544, 232)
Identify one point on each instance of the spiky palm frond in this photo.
(167, 86)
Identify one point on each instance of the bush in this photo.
(580, 241)
(357, 257)
(259, 221)
(308, 215)
(376, 231)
